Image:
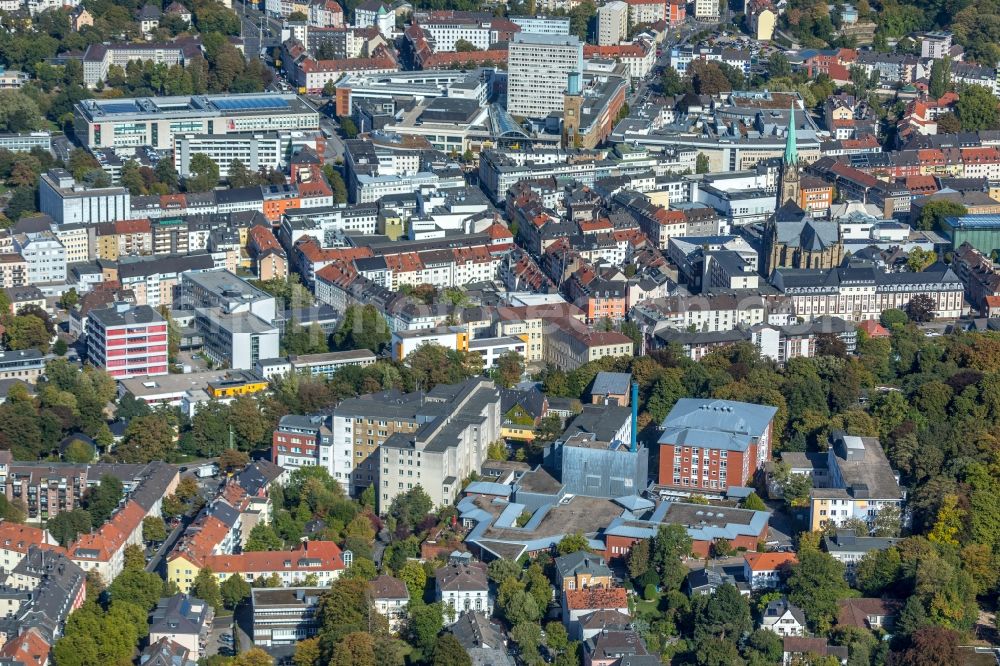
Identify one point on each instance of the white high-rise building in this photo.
(612, 23)
(706, 9)
(537, 71)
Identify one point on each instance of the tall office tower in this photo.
(537, 69)
(612, 23)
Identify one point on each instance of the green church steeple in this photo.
(791, 150)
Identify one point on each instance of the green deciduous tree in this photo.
(448, 651)
(204, 174)
(415, 576)
(977, 109)
(262, 538)
(104, 499)
(234, 590)
(724, 614)
(754, 503)
(940, 79)
(509, 368)
(206, 588)
(154, 529)
(136, 586)
(411, 507)
(670, 544)
(355, 649)
(816, 584)
(701, 163)
(425, 623)
(362, 328)
(67, 525)
(147, 438)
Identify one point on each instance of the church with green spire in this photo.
(789, 190)
(793, 238)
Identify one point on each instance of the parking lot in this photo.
(223, 625)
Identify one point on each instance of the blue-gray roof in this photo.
(974, 221)
(717, 424)
(702, 522)
(488, 488)
(611, 383)
(634, 503)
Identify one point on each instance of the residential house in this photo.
(521, 411)
(581, 570)
(184, 620)
(783, 618)
(391, 598)
(764, 570)
(463, 587)
(579, 603)
(708, 579)
(616, 648)
(847, 547)
(611, 388)
(166, 652)
(796, 648)
(867, 612)
(482, 640)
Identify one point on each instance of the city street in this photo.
(155, 562)
(334, 145)
(253, 20)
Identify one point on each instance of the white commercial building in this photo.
(69, 202)
(612, 23)
(542, 25)
(154, 121)
(446, 33)
(491, 349)
(239, 339)
(256, 150)
(538, 68)
(706, 9)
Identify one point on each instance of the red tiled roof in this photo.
(380, 60)
(173, 201)
(28, 649)
(341, 273)
(111, 536)
(309, 556)
(200, 543)
(769, 561)
(921, 183)
(494, 55)
(314, 188)
(263, 238)
(930, 155)
(14, 536)
(874, 329)
(596, 598)
(982, 154)
(855, 612)
(140, 226)
(596, 225)
(498, 231)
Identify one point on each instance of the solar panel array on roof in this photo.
(250, 103)
(120, 107)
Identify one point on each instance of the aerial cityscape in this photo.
(480, 333)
